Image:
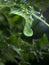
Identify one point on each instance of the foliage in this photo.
(17, 24)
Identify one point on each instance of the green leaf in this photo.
(17, 50)
(27, 31)
(43, 41)
(42, 4)
(1, 63)
(28, 18)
